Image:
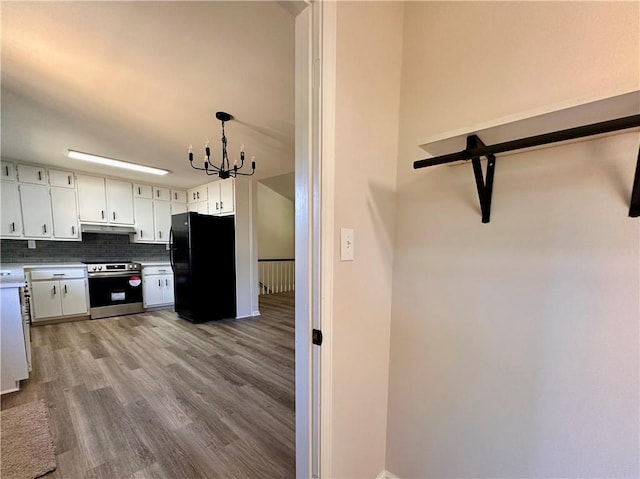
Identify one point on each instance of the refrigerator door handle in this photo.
(171, 248)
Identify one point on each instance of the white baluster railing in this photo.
(276, 275)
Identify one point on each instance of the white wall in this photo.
(275, 224)
(514, 344)
(366, 132)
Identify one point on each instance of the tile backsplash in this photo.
(93, 247)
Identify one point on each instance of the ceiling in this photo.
(141, 81)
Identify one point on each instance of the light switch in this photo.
(346, 244)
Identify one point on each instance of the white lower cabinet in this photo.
(157, 286)
(57, 293)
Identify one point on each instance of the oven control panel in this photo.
(114, 267)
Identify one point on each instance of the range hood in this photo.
(114, 230)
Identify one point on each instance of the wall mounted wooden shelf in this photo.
(542, 129)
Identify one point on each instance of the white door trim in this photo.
(314, 229)
(303, 242)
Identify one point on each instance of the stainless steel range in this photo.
(115, 288)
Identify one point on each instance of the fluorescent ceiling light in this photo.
(78, 155)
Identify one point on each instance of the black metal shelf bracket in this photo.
(476, 149)
(484, 185)
(634, 208)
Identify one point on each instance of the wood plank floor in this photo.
(153, 396)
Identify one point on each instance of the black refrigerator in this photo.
(203, 258)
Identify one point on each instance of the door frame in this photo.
(315, 39)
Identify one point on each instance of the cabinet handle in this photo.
(175, 195)
(44, 227)
(59, 274)
(69, 179)
(114, 215)
(73, 230)
(65, 289)
(217, 206)
(198, 194)
(6, 171)
(54, 290)
(39, 175)
(166, 282)
(102, 211)
(159, 234)
(162, 271)
(157, 193)
(13, 227)
(141, 234)
(159, 283)
(194, 195)
(139, 191)
(221, 203)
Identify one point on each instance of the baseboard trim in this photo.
(255, 313)
(387, 475)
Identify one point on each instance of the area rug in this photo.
(26, 445)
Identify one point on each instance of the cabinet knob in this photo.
(102, 211)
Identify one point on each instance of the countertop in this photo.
(52, 265)
(11, 276)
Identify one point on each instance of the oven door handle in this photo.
(114, 275)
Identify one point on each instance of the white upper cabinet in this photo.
(163, 194)
(120, 202)
(145, 232)
(10, 216)
(162, 219)
(221, 197)
(142, 191)
(178, 196)
(227, 200)
(8, 171)
(177, 208)
(32, 174)
(92, 201)
(65, 216)
(198, 194)
(63, 179)
(36, 211)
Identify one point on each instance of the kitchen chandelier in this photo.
(224, 170)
